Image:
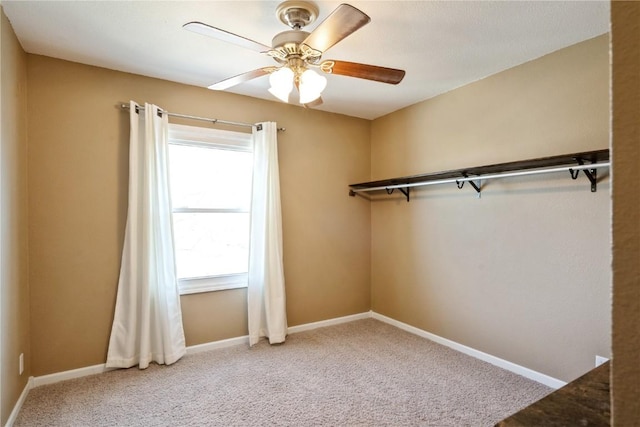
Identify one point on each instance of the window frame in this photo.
(193, 136)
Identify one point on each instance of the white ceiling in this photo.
(441, 44)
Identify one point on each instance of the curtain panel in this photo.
(147, 325)
(266, 294)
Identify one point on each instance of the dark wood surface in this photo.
(543, 162)
(582, 402)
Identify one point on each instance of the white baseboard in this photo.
(199, 348)
(329, 322)
(291, 330)
(101, 368)
(16, 409)
(69, 375)
(501, 363)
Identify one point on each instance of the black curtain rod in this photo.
(205, 119)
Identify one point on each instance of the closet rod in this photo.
(204, 119)
(490, 176)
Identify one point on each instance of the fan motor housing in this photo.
(289, 40)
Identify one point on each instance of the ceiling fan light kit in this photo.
(297, 52)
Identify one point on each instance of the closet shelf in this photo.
(588, 162)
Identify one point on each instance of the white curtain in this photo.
(266, 295)
(147, 326)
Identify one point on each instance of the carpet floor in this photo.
(362, 373)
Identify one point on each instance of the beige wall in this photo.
(78, 142)
(523, 273)
(14, 290)
(626, 213)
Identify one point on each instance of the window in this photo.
(210, 174)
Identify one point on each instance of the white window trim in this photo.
(220, 139)
(214, 138)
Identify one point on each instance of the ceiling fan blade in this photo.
(363, 71)
(225, 36)
(313, 103)
(343, 21)
(241, 78)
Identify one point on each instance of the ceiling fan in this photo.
(298, 52)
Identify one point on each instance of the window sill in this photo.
(198, 285)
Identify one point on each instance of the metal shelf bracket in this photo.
(477, 187)
(591, 174)
(406, 191)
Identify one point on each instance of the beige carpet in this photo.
(363, 373)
